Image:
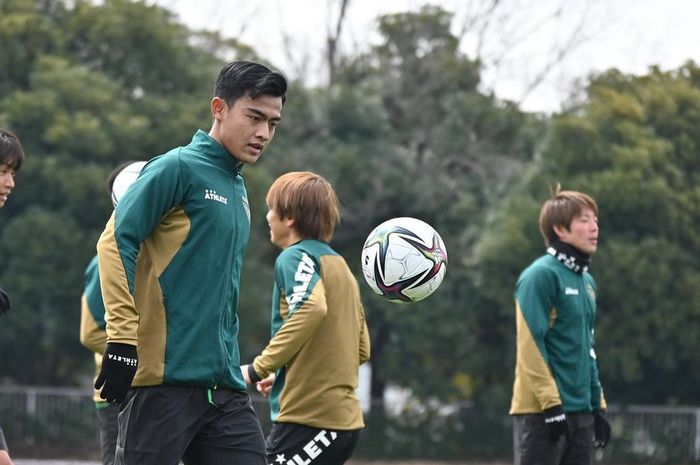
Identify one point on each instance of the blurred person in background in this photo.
(11, 159)
(558, 406)
(93, 336)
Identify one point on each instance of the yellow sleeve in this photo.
(295, 331)
(120, 311)
(91, 336)
(534, 389)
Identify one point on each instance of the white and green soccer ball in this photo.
(404, 260)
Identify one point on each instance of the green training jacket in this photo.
(170, 259)
(555, 362)
(319, 339)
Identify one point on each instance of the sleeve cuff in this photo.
(252, 374)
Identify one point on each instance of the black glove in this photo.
(601, 428)
(555, 421)
(4, 302)
(119, 364)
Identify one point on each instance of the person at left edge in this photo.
(11, 159)
(169, 262)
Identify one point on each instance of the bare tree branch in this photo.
(558, 55)
(332, 42)
(499, 29)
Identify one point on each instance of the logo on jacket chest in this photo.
(571, 291)
(210, 194)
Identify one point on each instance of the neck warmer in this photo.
(570, 256)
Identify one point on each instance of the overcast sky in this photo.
(525, 37)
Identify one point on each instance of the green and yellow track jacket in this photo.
(319, 339)
(170, 259)
(555, 310)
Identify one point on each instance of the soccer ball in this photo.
(124, 179)
(404, 260)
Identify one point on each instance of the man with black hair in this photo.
(170, 259)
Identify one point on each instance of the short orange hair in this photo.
(309, 200)
(561, 209)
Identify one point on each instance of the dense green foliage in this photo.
(632, 143)
(403, 131)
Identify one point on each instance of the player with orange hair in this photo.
(558, 405)
(319, 333)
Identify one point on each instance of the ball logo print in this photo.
(404, 260)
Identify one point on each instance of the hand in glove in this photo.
(555, 420)
(601, 428)
(119, 364)
(4, 302)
